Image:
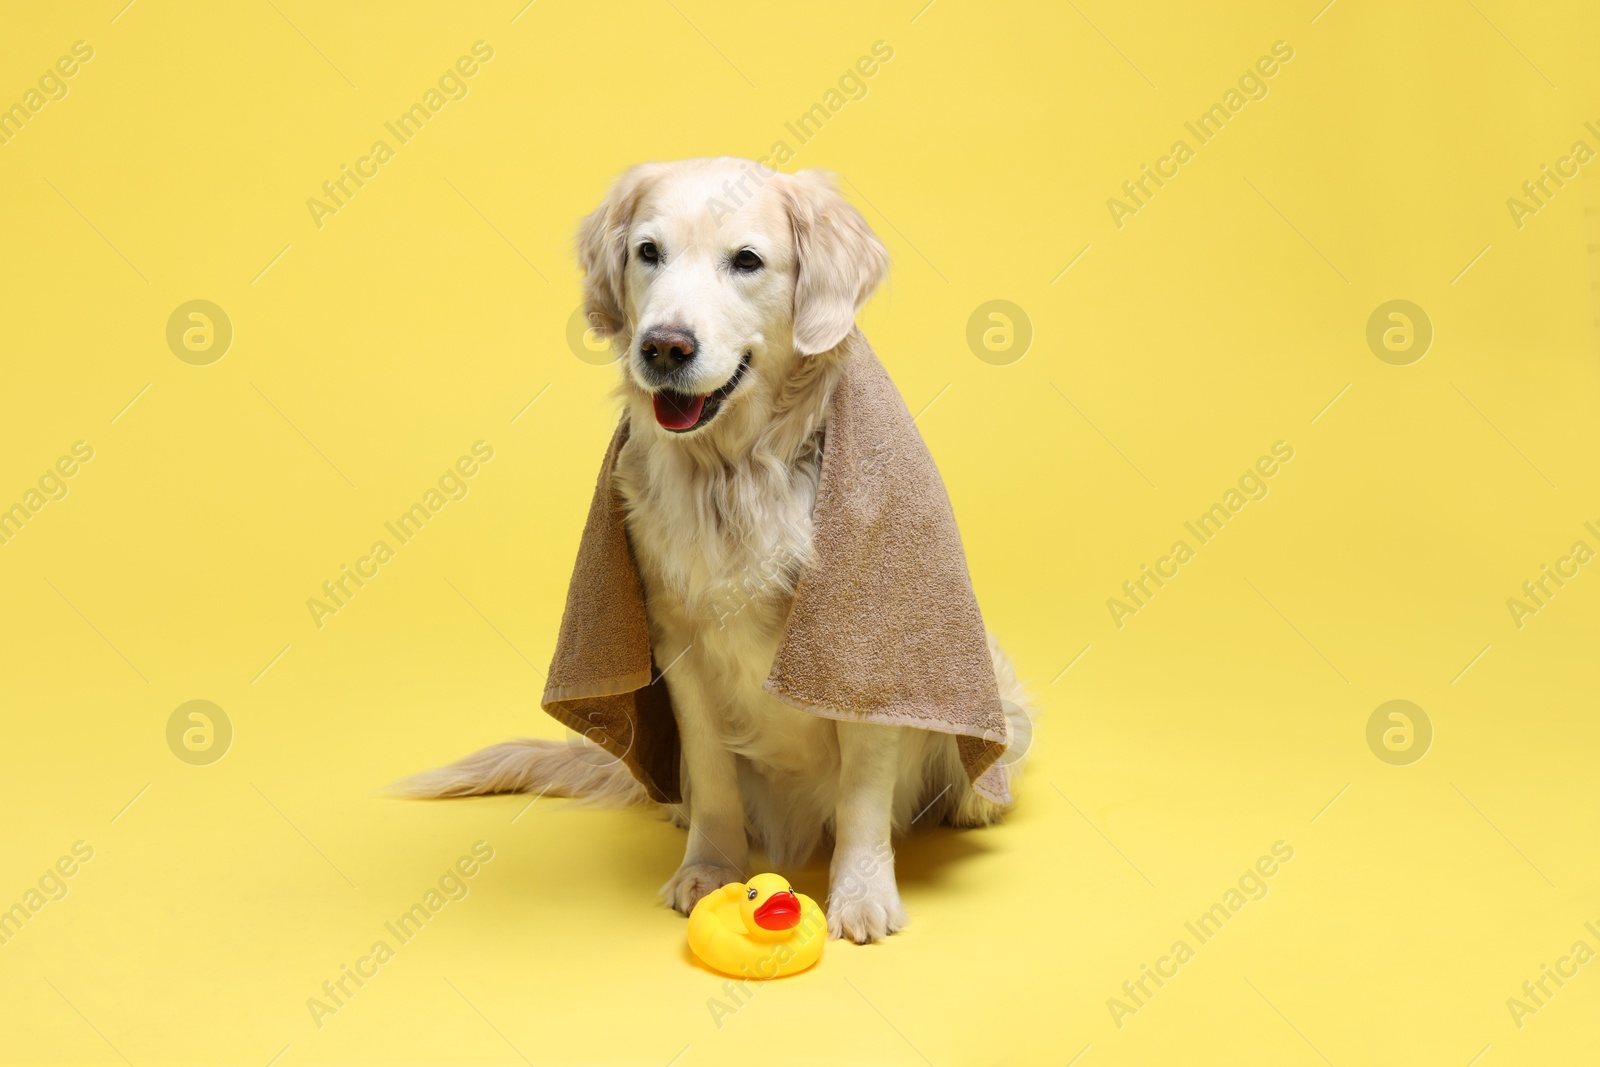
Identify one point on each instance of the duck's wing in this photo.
(718, 901)
(732, 892)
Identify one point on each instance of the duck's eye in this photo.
(746, 260)
(649, 253)
(751, 894)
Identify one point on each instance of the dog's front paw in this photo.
(693, 881)
(867, 917)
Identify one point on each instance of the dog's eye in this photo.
(746, 260)
(751, 894)
(649, 252)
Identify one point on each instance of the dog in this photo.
(728, 290)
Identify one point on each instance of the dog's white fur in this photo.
(719, 519)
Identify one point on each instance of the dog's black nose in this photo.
(665, 347)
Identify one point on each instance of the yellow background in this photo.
(427, 314)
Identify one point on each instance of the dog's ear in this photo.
(840, 261)
(603, 249)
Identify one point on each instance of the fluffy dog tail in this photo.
(574, 768)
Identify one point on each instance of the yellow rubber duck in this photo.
(757, 929)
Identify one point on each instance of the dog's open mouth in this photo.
(681, 412)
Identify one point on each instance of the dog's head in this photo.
(714, 278)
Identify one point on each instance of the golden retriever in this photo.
(727, 290)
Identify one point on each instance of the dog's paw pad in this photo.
(869, 918)
(693, 881)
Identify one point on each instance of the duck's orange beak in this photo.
(780, 912)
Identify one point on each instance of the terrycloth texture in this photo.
(885, 628)
(600, 676)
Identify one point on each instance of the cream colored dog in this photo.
(726, 288)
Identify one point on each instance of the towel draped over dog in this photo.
(884, 628)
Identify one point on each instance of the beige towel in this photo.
(884, 629)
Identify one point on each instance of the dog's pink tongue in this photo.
(676, 411)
